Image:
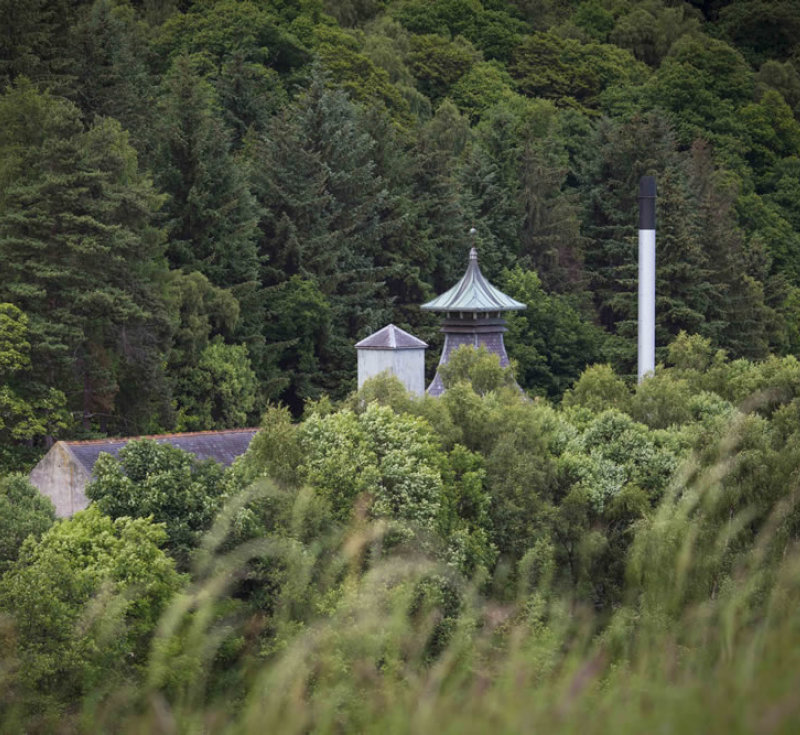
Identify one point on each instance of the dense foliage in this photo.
(162, 483)
(626, 544)
(204, 205)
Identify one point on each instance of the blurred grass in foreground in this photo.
(707, 641)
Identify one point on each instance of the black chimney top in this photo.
(647, 203)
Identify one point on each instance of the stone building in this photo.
(473, 311)
(65, 471)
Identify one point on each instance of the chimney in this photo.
(647, 277)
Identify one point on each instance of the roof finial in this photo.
(473, 253)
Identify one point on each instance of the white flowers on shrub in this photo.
(395, 458)
(614, 451)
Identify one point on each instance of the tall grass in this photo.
(707, 641)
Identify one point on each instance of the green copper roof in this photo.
(473, 293)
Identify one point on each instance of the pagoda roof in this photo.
(473, 293)
(391, 338)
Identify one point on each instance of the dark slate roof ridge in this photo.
(176, 435)
(222, 446)
(473, 293)
(391, 337)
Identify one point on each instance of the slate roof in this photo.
(391, 338)
(473, 293)
(221, 446)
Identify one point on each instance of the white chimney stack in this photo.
(647, 276)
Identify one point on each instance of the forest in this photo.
(204, 205)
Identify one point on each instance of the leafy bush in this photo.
(84, 601)
(24, 512)
(163, 483)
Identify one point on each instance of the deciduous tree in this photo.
(91, 630)
(163, 483)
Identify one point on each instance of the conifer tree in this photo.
(523, 138)
(441, 212)
(110, 46)
(211, 215)
(744, 321)
(34, 42)
(327, 213)
(80, 255)
(626, 151)
(684, 291)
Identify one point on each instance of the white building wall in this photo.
(407, 365)
(62, 479)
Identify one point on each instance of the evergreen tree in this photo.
(745, 322)
(684, 292)
(81, 256)
(625, 152)
(34, 42)
(440, 212)
(249, 94)
(112, 76)
(327, 213)
(524, 138)
(211, 215)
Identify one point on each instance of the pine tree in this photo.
(327, 213)
(79, 253)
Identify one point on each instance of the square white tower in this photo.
(398, 352)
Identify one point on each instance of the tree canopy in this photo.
(205, 204)
(320, 164)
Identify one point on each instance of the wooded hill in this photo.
(204, 205)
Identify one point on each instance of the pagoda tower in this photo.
(473, 311)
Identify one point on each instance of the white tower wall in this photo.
(407, 365)
(394, 351)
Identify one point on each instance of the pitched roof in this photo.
(391, 338)
(221, 446)
(473, 293)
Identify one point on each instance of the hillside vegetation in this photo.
(627, 562)
(204, 205)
